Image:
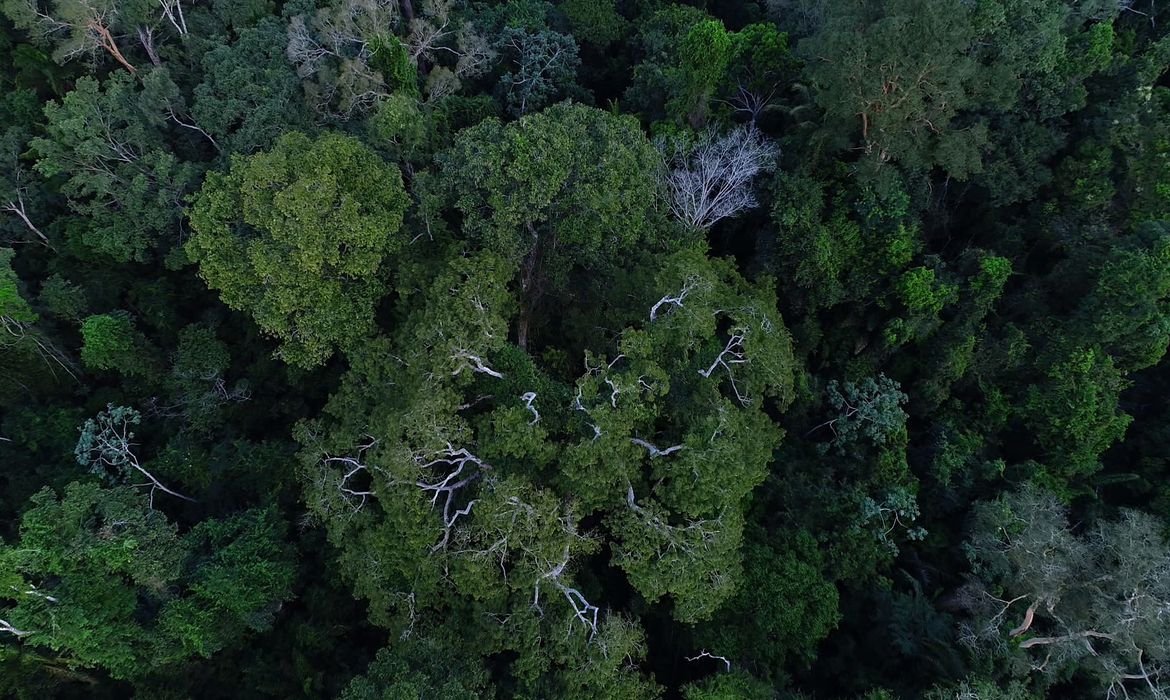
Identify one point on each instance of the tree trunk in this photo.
(107, 43)
(530, 289)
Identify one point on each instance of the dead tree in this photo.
(712, 180)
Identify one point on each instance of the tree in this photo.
(544, 66)
(22, 342)
(110, 342)
(107, 447)
(108, 583)
(1090, 602)
(570, 187)
(899, 72)
(711, 179)
(78, 27)
(107, 140)
(298, 237)
(20, 195)
(354, 59)
(242, 119)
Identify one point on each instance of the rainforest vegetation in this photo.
(585, 349)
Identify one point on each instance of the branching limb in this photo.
(457, 468)
(655, 453)
(704, 654)
(677, 299)
(529, 398)
(6, 626)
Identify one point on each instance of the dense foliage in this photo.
(705, 349)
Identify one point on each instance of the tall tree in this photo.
(298, 236)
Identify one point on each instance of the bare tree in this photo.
(712, 179)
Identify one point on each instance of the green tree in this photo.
(298, 236)
(110, 342)
(107, 141)
(241, 118)
(570, 187)
(106, 582)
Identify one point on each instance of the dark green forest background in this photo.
(584, 349)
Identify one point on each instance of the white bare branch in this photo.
(113, 447)
(17, 208)
(350, 469)
(469, 360)
(677, 299)
(732, 354)
(529, 398)
(456, 469)
(655, 453)
(194, 127)
(6, 626)
(583, 611)
(173, 11)
(704, 654)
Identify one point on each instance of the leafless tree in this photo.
(712, 179)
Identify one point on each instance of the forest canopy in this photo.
(631, 349)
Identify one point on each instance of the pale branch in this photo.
(113, 448)
(676, 300)
(1074, 636)
(529, 398)
(146, 38)
(694, 535)
(583, 610)
(6, 626)
(17, 208)
(194, 127)
(704, 654)
(32, 590)
(457, 469)
(654, 451)
(732, 354)
(468, 360)
(173, 11)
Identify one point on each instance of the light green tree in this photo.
(299, 237)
